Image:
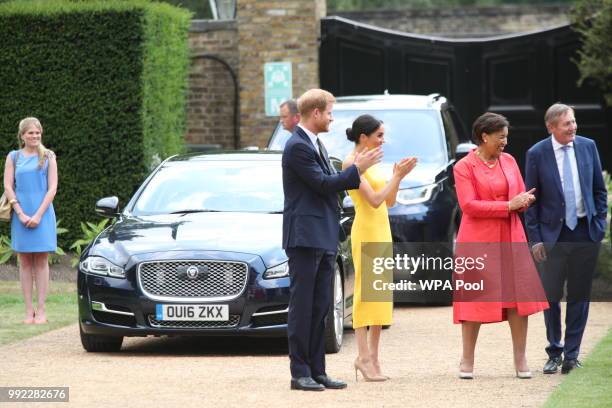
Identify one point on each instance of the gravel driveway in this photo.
(420, 352)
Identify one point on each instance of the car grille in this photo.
(232, 322)
(174, 280)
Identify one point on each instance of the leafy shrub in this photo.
(90, 232)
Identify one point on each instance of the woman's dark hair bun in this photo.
(349, 134)
(364, 124)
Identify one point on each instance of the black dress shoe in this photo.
(327, 382)
(306, 384)
(552, 365)
(569, 365)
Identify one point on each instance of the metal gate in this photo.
(518, 76)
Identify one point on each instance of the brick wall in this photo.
(465, 22)
(210, 99)
(273, 31)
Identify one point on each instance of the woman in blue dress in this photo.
(30, 183)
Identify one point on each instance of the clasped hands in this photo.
(29, 222)
(521, 201)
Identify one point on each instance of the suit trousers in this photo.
(571, 261)
(311, 271)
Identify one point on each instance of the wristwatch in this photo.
(13, 202)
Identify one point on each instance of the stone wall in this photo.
(465, 22)
(210, 106)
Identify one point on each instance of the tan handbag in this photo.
(5, 207)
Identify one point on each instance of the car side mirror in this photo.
(463, 149)
(336, 163)
(347, 205)
(108, 207)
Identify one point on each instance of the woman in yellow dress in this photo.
(371, 225)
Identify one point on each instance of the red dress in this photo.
(483, 195)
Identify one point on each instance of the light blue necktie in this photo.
(571, 219)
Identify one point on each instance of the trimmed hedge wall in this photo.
(108, 81)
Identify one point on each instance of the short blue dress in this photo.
(31, 184)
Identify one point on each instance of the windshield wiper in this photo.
(194, 211)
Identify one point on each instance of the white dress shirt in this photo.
(559, 154)
(313, 138)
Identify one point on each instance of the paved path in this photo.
(420, 351)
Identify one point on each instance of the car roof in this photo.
(386, 102)
(229, 155)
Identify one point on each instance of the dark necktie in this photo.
(323, 156)
(330, 169)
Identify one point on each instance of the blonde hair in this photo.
(314, 99)
(26, 124)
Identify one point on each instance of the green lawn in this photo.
(591, 386)
(61, 308)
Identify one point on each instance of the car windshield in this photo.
(202, 186)
(407, 133)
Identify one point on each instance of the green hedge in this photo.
(108, 81)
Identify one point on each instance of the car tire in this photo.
(100, 344)
(334, 327)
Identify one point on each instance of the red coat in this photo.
(486, 220)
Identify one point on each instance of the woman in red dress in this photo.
(491, 194)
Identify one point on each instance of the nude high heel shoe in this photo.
(362, 366)
(377, 368)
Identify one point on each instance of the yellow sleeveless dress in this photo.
(370, 225)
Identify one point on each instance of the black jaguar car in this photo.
(197, 251)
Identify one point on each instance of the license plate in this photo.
(192, 313)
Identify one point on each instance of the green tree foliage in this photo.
(200, 8)
(593, 19)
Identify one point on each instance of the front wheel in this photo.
(334, 327)
(100, 344)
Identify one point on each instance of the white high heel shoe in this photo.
(523, 374)
(466, 375)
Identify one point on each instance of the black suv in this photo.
(427, 212)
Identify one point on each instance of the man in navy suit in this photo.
(310, 236)
(565, 227)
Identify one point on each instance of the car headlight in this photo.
(278, 271)
(100, 266)
(416, 195)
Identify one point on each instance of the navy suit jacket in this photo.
(545, 218)
(311, 213)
